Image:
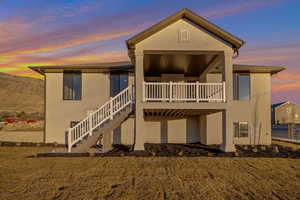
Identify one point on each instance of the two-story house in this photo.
(180, 86)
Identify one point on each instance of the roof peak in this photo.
(194, 18)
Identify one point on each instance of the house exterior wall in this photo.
(59, 112)
(255, 111)
(167, 39)
(172, 131)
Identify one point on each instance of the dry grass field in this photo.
(145, 178)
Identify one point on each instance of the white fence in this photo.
(101, 115)
(188, 92)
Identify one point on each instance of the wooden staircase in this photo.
(101, 123)
(103, 132)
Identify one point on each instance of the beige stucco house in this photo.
(286, 114)
(180, 86)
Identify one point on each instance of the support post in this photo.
(139, 137)
(69, 140)
(144, 87)
(227, 133)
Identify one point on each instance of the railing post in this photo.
(197, 91)
(90, 123)
(69, 140)
(224, 91)
(111, 108)
(171, 91)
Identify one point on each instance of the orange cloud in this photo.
(20, 64)
(51, 47)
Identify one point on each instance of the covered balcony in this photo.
(183, 77)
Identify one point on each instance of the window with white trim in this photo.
(241, 129)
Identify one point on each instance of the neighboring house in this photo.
(180, 86)
(285, 113)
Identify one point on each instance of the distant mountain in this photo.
(21, 94)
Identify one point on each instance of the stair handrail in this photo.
(96, 118)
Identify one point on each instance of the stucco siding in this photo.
(257, 111)
(172, 131)
(167, 39)
(59, 112)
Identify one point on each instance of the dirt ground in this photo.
(145, 177)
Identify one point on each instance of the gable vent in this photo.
(183, 35)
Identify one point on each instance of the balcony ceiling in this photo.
(189, 65)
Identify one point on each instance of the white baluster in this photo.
(171, 91)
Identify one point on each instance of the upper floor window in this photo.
(118, 82)
(241, 86)
(72, 86)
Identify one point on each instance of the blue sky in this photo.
(41, 32)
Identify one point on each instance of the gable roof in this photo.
(283, 103)
(278, 104)
(191, 16)
(257, 69)
(124, 66)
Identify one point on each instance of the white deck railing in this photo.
(187, 92)
(100, 116)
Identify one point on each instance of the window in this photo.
(241, 129)
(72, 86)
(118, 82)
(241, 86)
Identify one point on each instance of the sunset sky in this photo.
(51, 32)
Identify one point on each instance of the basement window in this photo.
(72, 86)
(241, 129)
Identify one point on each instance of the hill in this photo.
(21, 94)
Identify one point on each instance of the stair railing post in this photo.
(69, 140)
(111, 108)
(90, 123)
